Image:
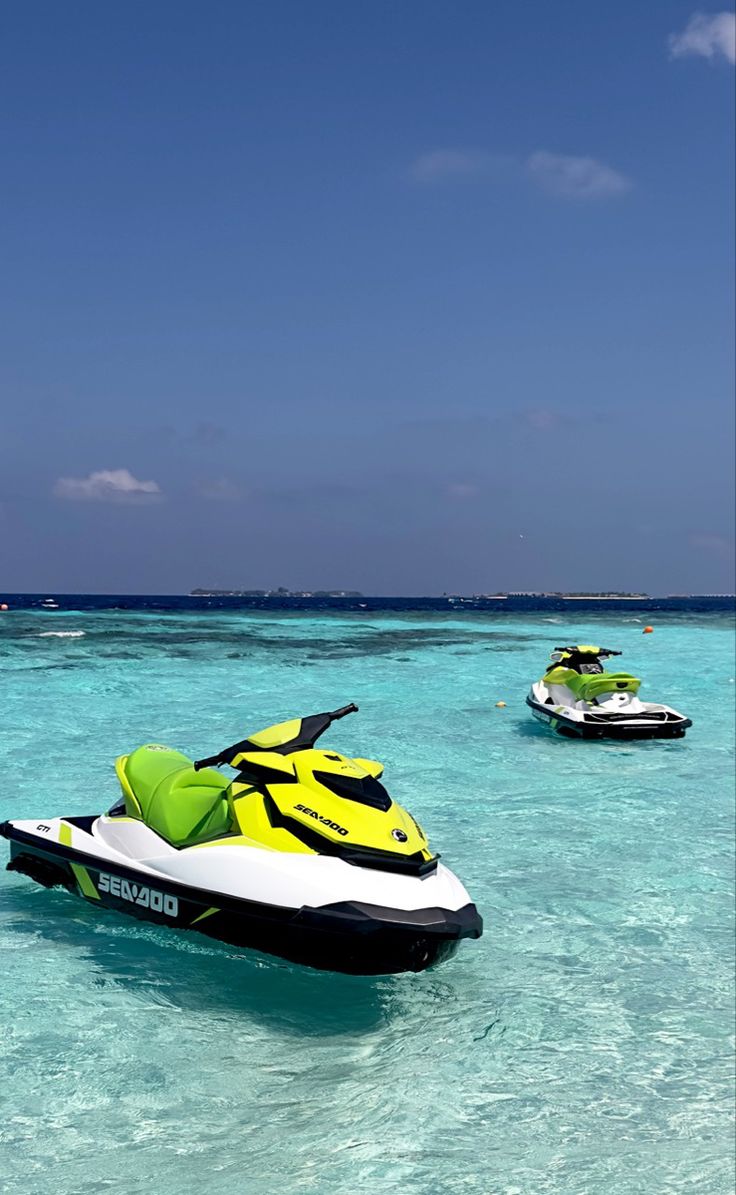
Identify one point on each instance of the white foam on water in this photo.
(60, 634)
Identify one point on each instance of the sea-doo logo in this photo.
(325, 820)
(137, 894)
(399, 835)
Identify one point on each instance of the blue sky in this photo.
(407, 298)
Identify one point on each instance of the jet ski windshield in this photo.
(590, 669)
(364, 789)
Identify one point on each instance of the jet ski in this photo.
(577, 697)
(303, 854)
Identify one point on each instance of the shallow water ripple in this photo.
(583, 1047)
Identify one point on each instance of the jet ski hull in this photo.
(348, 936)
(575, 724)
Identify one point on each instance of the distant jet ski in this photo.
(576, 697)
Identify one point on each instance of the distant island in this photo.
(577, 595)
(515, 598)
(612, 596)
(277, 593)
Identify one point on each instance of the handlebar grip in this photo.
(344, 711)
(211, 762)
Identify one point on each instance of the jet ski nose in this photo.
(365, 939)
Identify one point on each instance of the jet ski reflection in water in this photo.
(303, 854)
(578, 698)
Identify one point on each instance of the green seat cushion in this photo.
(183, 806)
(586, 688)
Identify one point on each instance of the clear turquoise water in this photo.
(582, 1046)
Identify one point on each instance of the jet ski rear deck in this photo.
(665, 725)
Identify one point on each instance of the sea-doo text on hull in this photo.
(578, 698)
(303, 855)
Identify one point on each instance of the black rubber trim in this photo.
(461, 923)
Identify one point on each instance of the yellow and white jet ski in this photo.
(577, 697)
(303, 854)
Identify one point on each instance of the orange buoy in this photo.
(3, 605)
(647, 630)
(500, 705)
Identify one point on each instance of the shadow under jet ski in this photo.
(186, 972)
(530, 730)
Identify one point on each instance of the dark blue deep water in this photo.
(521, 604)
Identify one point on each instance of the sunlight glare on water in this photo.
(582, 1047)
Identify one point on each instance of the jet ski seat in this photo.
(587, 688)
(162, 789)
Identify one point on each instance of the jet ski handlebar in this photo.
(309, 730)
(212, 761)
(602, 651)
(343, 712)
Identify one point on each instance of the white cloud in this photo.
(558, 174)
(107, 485)
(441, 164)
(706, 35)
(575, 178)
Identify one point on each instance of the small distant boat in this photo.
(49, 604)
